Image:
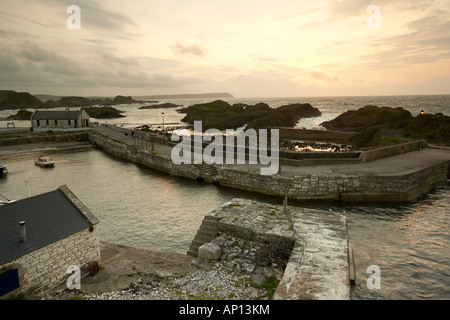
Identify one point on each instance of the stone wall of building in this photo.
(47, 267)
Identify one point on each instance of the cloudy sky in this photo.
(250, 48)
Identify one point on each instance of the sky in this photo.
(249, 48)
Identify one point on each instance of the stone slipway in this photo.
(318, 268)
(314, 243)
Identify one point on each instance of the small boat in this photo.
(45, 161)
(3, 170)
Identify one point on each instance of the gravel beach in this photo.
(128, 273)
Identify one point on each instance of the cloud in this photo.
(110, 58)
(323, 77)
(48, 60)
(427, 40)
(94, 14)
(194, 50)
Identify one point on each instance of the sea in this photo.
(408, 242)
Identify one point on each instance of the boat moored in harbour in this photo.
(45, 161)
(3, 170)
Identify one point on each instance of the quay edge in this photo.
(396, 178)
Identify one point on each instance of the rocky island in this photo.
(377, 126)
(10, 100)
(22, 114)
(221, 115)
(104, 112)
(161, 106)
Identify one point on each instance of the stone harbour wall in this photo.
(45, 138)
(336, 186)
(344, 187)
(147, 158)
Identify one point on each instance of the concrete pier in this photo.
(313, 242)
(402, 177)
(318, 268)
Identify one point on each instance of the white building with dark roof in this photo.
(60, 119)
(41, 236)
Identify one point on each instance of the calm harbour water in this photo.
(141, 207)
(138, 206)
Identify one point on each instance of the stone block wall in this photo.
(261, 223)
(145, 157)
(333, 186)
(298, 187)
(46, 267)
(316, 135)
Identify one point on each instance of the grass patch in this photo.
(270, 285)
(19, 296)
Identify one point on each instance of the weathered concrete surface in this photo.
(314, 242)
(318, 268)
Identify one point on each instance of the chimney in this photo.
(23, 231)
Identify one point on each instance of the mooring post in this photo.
(351, 262)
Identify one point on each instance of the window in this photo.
(9, 281)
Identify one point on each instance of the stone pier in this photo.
(380, 177)
(313, 244)
(318, 267)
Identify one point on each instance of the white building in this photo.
(60, 119)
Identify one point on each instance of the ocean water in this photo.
(138, 206)
(141, 207)
(330, 107)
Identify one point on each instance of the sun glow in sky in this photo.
(250, 48)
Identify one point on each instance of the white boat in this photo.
(45, 161)
(3, 170)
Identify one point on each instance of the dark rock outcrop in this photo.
(10, 99)
(76, 102)
(20, 115)
(161, 106)
(221, 115)
(383, 126)
(359, 120)
(68, 102)
(435, 128)
(124, 100)
(103, 112)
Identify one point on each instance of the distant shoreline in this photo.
(219, 95)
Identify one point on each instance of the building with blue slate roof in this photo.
(41, 236)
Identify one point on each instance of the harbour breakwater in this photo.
(12, 137)
(313, 185)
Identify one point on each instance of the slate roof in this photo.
(56, 115)
(49, 218)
